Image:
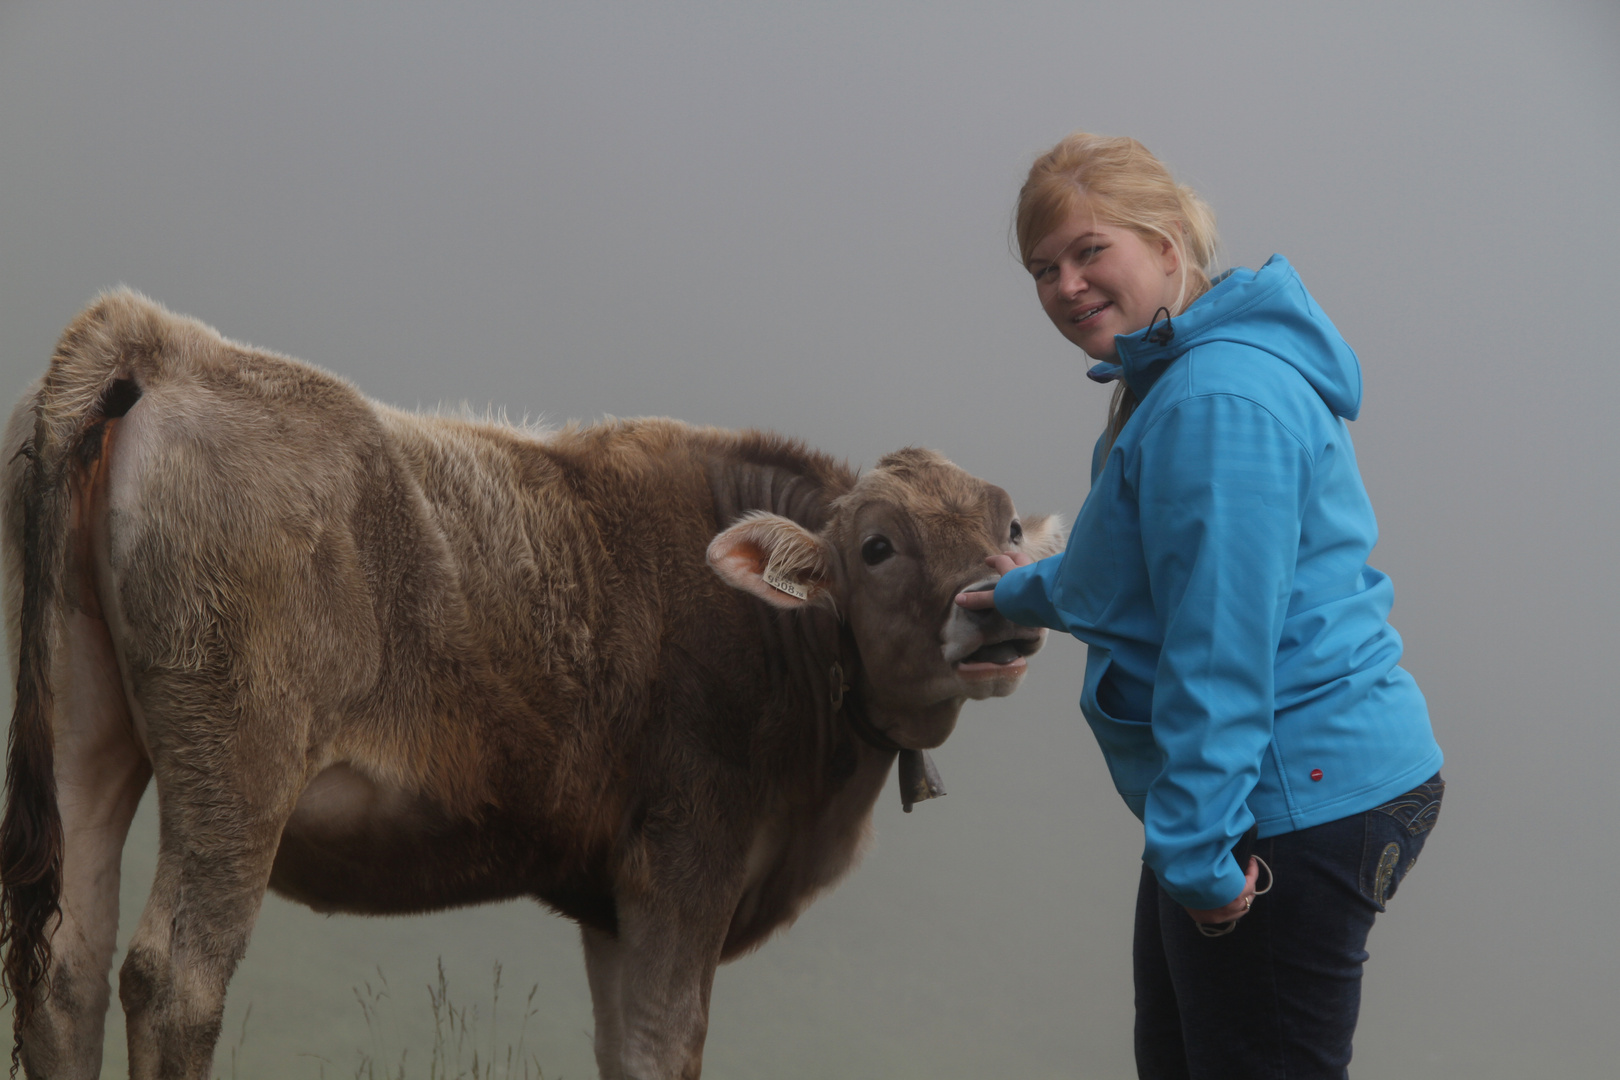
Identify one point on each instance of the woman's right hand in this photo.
(980, 599)
(1238, 907)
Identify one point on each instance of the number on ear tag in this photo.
(782, 583)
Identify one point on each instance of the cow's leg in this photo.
(193, 932)
(101, 772)
(223, 799)
(603, 964)
(666, 961)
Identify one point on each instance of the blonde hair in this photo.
(1123, 184)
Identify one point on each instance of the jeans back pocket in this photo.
(1395, 834)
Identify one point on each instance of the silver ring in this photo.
(1248, 902)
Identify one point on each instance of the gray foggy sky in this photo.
(796, 217)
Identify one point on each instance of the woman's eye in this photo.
(1017, 533)
(876, 549)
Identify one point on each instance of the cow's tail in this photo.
(89, 381)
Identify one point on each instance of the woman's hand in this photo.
(986, 598)
(1237, 908)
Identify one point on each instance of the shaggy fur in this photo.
(385, 662)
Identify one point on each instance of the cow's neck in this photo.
(803, 646)
(813, 673)
(743, 486)
(919, 780)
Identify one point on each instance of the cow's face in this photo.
(897, 549)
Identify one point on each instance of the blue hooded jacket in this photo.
(1240, 667)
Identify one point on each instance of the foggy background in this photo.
(797, 217)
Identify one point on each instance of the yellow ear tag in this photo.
(782, 583)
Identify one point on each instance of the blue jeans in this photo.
(1277, 998)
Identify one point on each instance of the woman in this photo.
(1241, 677)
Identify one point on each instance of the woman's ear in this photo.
(1169, 256)
(777, 560)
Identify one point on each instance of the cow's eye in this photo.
(1017, 532)
(876, 549)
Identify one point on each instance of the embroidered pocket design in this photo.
(1387, 862)
(1418, 809)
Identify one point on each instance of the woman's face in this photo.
(1097, 280)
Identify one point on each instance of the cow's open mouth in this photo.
(1001, 657)
(1002, 652)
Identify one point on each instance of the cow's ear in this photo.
(775, 559)
(1044, 535)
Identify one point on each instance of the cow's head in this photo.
(894, 553)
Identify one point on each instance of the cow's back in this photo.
(574, 548)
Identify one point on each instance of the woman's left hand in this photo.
(1237, 908)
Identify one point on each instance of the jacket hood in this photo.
(1266, 309)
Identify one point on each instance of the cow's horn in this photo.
(919, 779)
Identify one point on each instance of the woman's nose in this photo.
(1071, 282)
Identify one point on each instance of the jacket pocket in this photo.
(1395, 835)
(1134, 759)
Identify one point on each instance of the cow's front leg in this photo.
(603, 964)
(665, 970)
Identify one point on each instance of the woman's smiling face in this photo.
(1097, 280)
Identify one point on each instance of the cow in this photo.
(653, 675)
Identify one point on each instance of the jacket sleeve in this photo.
(1024, 594)
(1221, 485)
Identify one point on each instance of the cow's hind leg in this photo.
(222, 804)
(194, 931)
(101, 772)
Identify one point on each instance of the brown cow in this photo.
(385, 662)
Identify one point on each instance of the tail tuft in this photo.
(31, 832)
